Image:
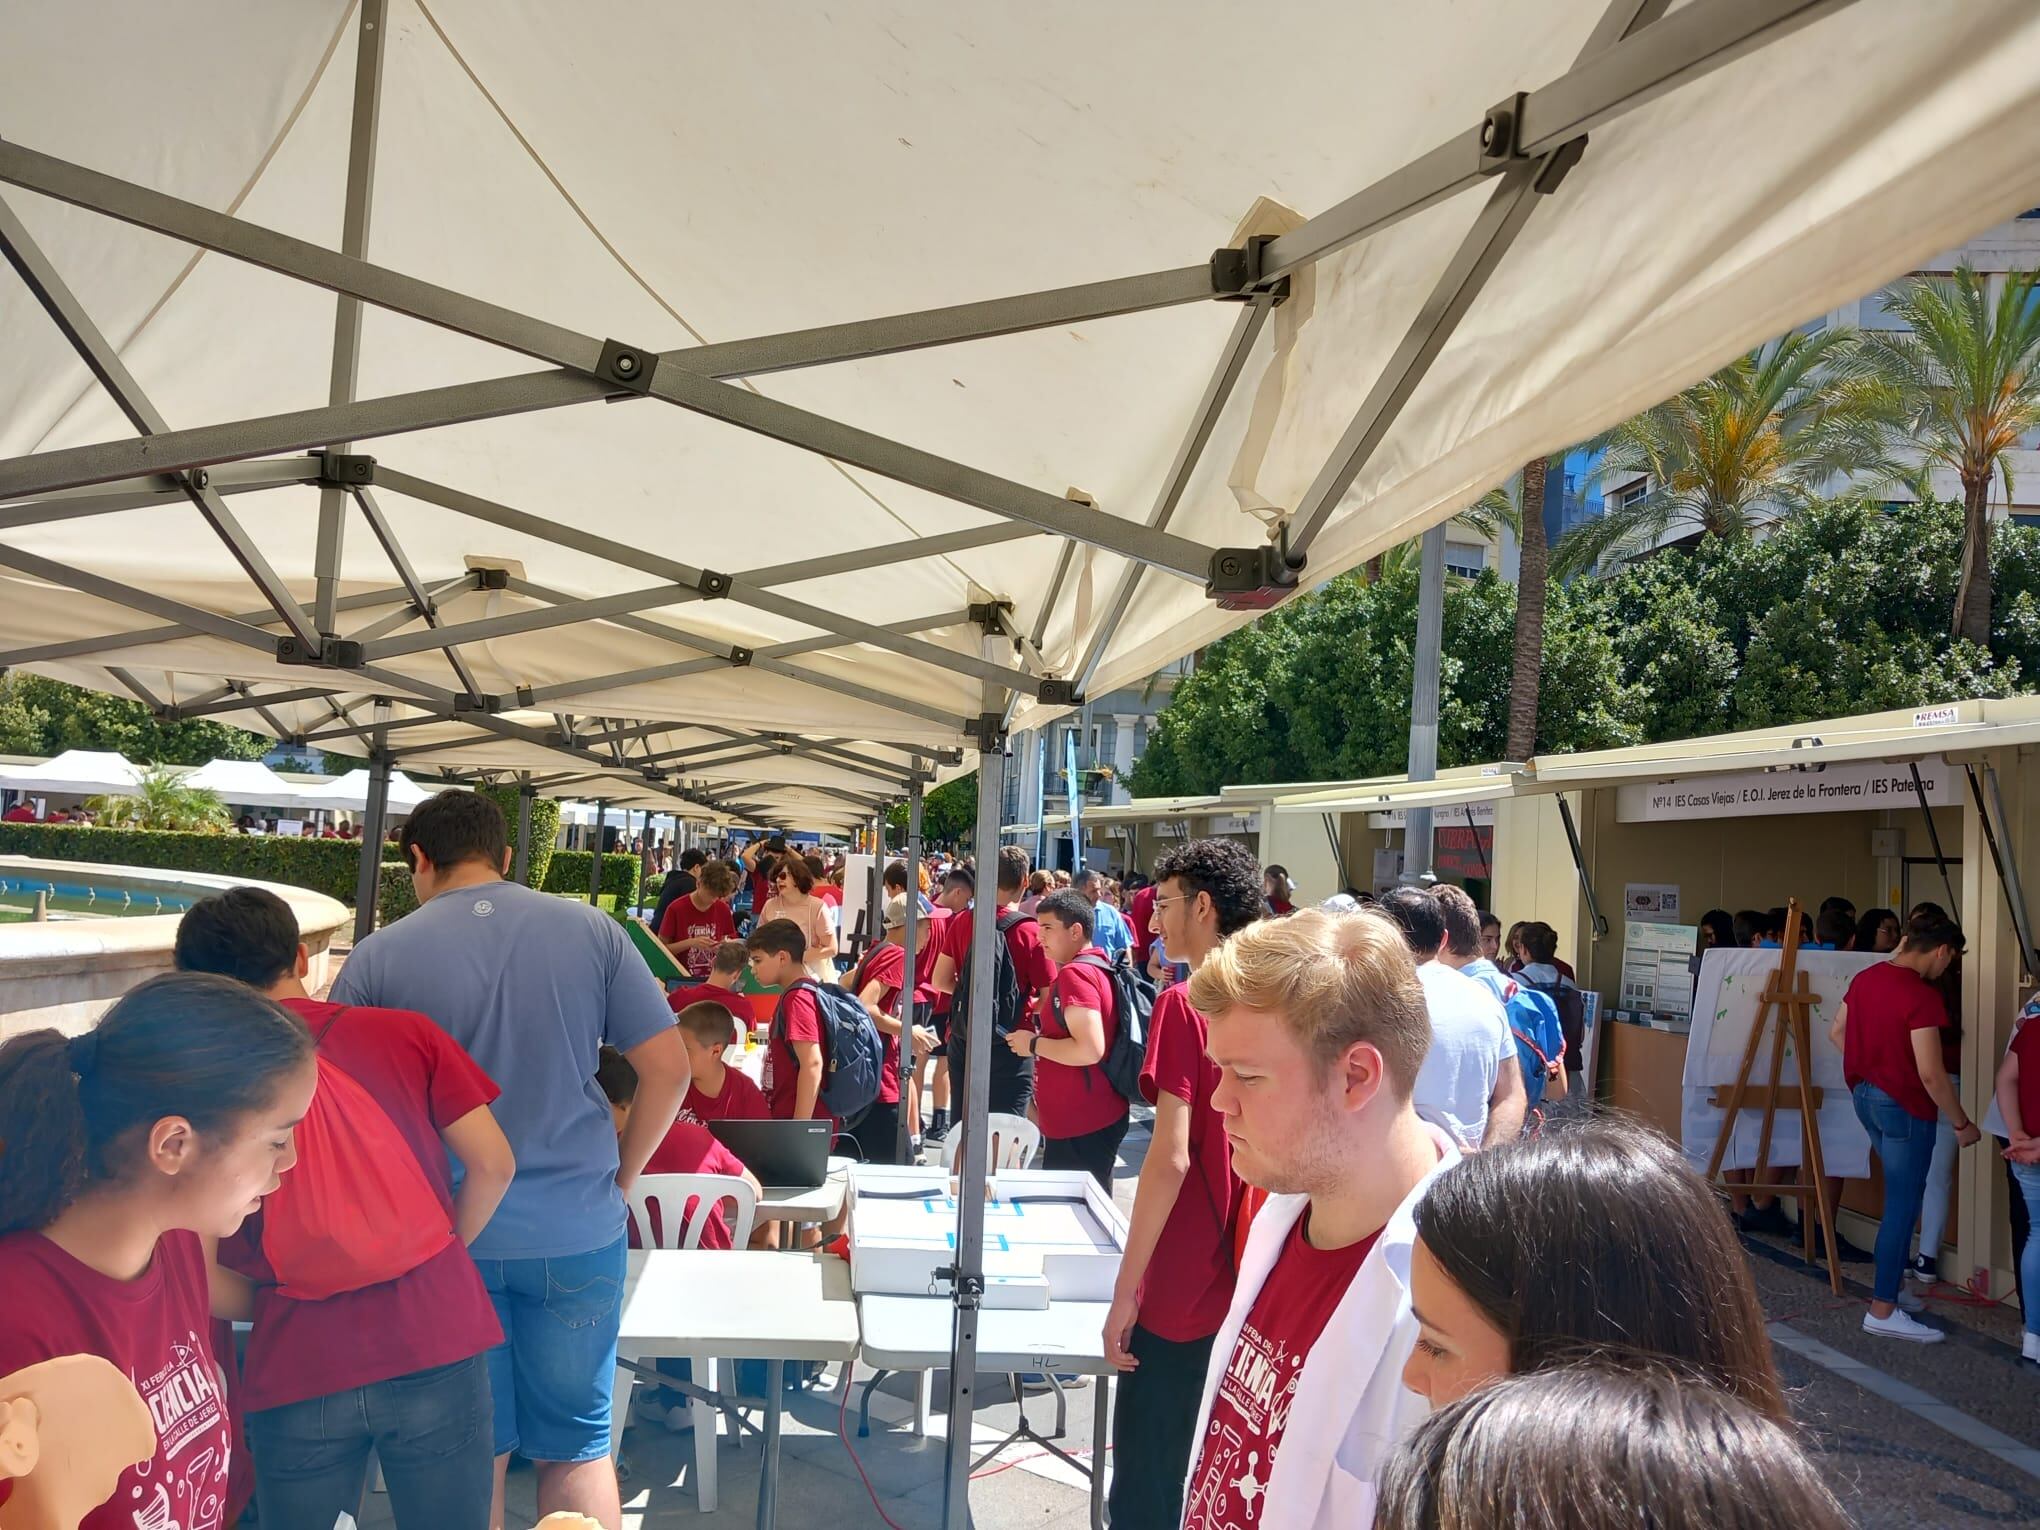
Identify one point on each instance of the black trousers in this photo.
(877, 1133)
(1011, 1086)
(1154, 1422)
(1096, 1153)
(2022, 1227)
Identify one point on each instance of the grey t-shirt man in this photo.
(533, 987)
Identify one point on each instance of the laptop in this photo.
(784, 1155)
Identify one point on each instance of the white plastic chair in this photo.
(1015, 1143)
(672, 1195)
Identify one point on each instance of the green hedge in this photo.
(396, 896)
(545, 828)
(569, 872)
(328, 866)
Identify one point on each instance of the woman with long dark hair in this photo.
(1597, 1447)
(125, 1153)
(1590, 1240)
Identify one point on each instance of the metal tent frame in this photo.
(1521, 148)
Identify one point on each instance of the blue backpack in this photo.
(853, 1053)
(1540, 1039)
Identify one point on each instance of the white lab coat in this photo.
(1351, 1407)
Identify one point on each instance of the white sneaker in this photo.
(1911, 1301)
(1900, 1325)
(2030, 1347)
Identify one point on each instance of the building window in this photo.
(1629, 494)
(1465, 559)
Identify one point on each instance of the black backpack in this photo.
(1133, 1005)
(1009, 1002)
(853, 1053)
(1572, 1015)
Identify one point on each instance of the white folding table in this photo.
(816, 1205)
(912, 1333)
(702, 1304)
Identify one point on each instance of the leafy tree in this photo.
(1772, 428)
(1962, 387)
(43, 716)
(948, 813)
(163, 801)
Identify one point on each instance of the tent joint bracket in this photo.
(1236, 273)
(986, 731)
(630, 367)
(465, 703)
(1253, 578)
(329, 653)
(740, 657)
(351, 470)
(1501, 135)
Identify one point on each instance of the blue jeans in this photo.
(2027, 1177)
(430, 1429)
(551, 1377)
(1905, 1146)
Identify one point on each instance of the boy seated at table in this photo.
(718, 1091)
(720, 986)
(688, 1148)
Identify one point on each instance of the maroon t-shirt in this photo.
(1250, 1410)
(2026, 1044)
(1140, 914)
(1188, 1286)
(1071, 1101)
(1887, 1003)
(885, 964)
(155, 1330)
(438, 1313)
(684, 921)
(931, 939)
(799, 1018)
(739, 1005)
(688, 1148)
(738, 1100)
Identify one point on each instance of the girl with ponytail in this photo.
(125, 1153)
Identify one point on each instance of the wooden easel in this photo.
(1787, 1001)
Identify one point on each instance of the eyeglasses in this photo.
(1173, 898)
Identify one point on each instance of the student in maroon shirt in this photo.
(1176, 1278)
(698, 921)
(718, 1092)
(1318, 1027)
(793, 1051)
(877, 982)
(396, 1367)
(1889, 1031)
(720, 988)
(129, 1149)
(1082, 1117)
(959, 887)
(1011, 1078)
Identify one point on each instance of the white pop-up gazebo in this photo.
(76, 773)
(768, 408)
(248, 783)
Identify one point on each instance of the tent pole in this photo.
(595, 859)
(368, 76)
(376, 810)
(967, 1277)
(1417, 846)
(910, 955)
(521, 871)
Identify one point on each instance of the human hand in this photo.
(2024, 1150)
(1020, 1043)
(1118, 1329)
(1968, 1134)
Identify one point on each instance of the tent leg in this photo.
(376, 812)
(595, 859)
(967, 1276)
(1417, 836)
(521, 869)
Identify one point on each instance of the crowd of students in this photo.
(1352, 1213)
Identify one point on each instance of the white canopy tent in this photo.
(351, 793)
(818, 534)
(76, 773)
(247, 783)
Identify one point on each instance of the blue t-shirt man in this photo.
(533, 987)
(1111, 933)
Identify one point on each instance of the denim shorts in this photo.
(550, 1379)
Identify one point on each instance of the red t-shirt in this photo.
(1887, 1003)
(684, 921)
(799, 1018)
(739, 1005)
(1189, 1282)
(933, 940)
(689, 1148)
(438, 1313)
(829, 893)
(1250, 1410)
(1140, 914)
(1031, 964)
(155, 1330)
(21, 812)
(886, 964)
(2026, 1044)
(1071, 1101)
(739, 1100)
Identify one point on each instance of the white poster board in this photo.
(857, 868)
(1725, 1001)
(1656, 971)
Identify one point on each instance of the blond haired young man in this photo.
(1319, 1027)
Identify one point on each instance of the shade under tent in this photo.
(872, 545)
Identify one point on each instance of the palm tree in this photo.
(1772, 428)
(162, 801)
(1961, 389)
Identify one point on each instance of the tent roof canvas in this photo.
(248, 782)
(79, 773)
